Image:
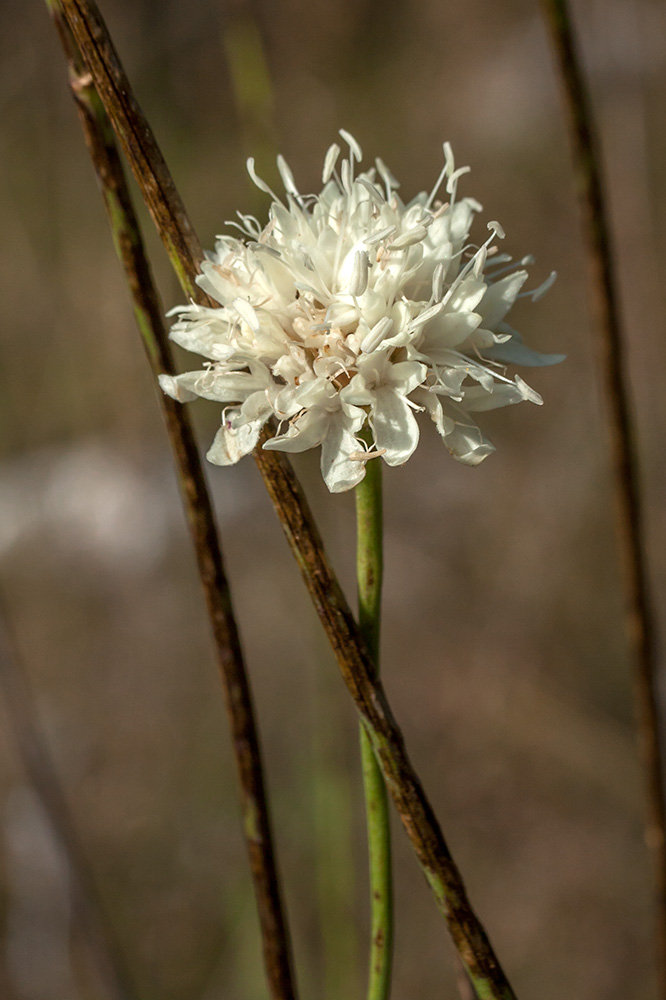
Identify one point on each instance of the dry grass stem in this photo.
(149, 312)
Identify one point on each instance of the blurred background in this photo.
(504, 654)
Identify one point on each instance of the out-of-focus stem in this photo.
(148, 312)
(369, 571)
(349, 647)
(88, 912)
(640, 619)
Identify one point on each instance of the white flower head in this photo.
(349, 310)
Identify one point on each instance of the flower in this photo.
(349, 313)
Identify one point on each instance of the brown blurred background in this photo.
(504, 653)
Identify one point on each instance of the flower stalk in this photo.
(369, 571)
(640, 623)
(238, 697)
(350, 650)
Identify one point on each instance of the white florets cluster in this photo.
(353, 310)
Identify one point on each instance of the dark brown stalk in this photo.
(148, 311)
(640, 619)
(150, 171)
(87, 910)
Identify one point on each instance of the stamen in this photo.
(359, 278)
(390, 182)
(383, 234)
(372, 189)
(543, 287)
(425, 317)
(377, 334)
(448, 156)
(251, 222)
(408, 239)
(452, 183)
(480, 262)
(438, 282)
(329, 162)
(365, 456)
(497, 230)
(262, 185)
(437, 186)
(354, 147)
(287, 177)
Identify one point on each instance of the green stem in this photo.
(369, 569)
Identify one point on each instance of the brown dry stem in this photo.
(640, 625)
(149, 312)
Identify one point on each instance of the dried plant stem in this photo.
(354, 661)
(640, 620)
(88, 912)
(148, 312)
(369, 570)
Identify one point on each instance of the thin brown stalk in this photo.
(640, 618)
(87, 910)
(148, 311)
(356, 666)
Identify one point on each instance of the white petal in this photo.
(257, 406)
(449, 330)
(394, 426)
(515, 353)
(405, 376)
(306, 432)
(223, 387)
(467, 295)
(502, 394)
(246, 312)
(205, 338)
(500, 297)
(433, 405)
(339, 471)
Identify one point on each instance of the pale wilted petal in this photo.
(235, 439)
(172, 385)
(467, 444)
